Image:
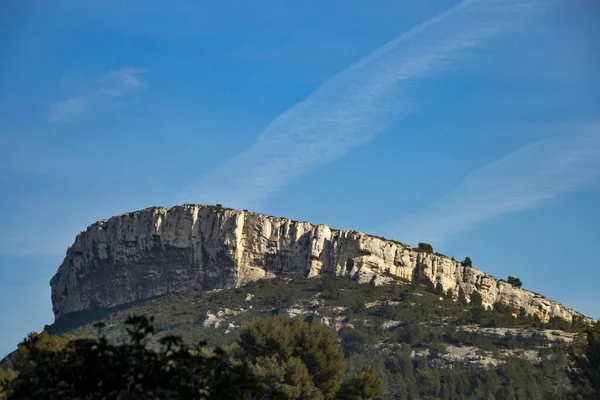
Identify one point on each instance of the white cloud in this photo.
(66, 109)
(100, 92)
(518, 181)
(351, 108)
(121, 82)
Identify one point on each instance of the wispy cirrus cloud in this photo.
(121, 82)
(102, 91)
(64, 110)
(521, 180)
(351, 108)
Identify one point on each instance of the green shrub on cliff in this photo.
(425, 247)
(516, 282)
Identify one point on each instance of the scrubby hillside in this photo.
(422, 343)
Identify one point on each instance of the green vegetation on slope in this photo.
(584, 366)
(275, 358)
(423, 345)
(338, 300)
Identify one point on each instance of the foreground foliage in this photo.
(301, 361)
(95, 369)
(6, 377)
(402, 357)
(277, 358)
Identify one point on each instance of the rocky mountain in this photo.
(155, 251)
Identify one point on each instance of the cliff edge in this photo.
(161, 250)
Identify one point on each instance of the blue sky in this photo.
(472, 125)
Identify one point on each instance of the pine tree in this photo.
(584, 368)
(300, 360)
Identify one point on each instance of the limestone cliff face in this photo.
(161, 250)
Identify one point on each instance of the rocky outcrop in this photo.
(160, 250)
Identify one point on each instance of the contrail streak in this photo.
(521, 180)
(351, 108)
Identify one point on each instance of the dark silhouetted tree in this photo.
(467, 262)
(516, 282)
(95, 369)
(426, 247)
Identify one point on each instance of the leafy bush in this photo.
(516, 282)
(329, 286)
(365, 384)
(439, 289)
(356, 340)
(6, 378)
(425, 247)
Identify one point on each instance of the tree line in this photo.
(275, 358)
